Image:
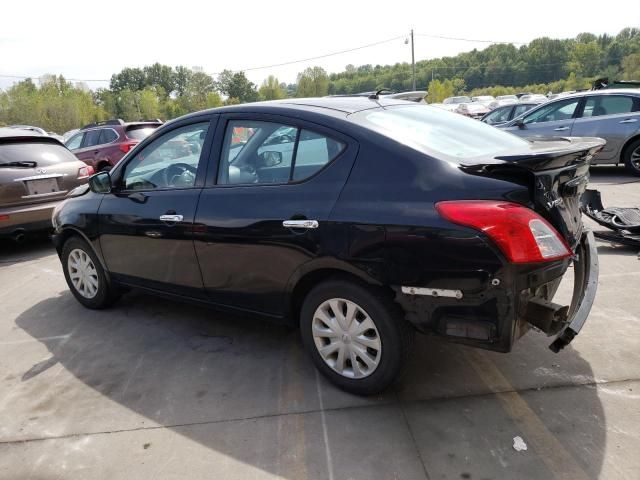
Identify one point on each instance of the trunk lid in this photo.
(556, 170)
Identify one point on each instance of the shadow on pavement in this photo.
(33, 248)
(245, 389)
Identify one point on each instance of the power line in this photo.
(442, 37)
(321, 56)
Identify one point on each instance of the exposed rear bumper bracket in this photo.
(585, 286)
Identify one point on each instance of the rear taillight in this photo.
(126, 146)
(85, 172)
(4, 217)
(521, 234)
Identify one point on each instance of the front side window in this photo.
(268, 152)
(520, 109)
(171, 161)
(598, 106)
(498, 115)
(553, 112)
(74, 142)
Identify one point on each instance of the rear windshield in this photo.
(437, 131)
(40, 152)
(139, 132)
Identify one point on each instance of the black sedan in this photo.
(501, 115)
(360, 220)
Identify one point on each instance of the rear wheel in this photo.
(85, 276)
(632, 158)
(356, 336)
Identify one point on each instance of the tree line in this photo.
(162, 91)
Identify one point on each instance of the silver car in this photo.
(610, 114)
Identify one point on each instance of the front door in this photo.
(265, 212)
(146, 223)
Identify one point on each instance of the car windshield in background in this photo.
(446, 133)
(139, 133)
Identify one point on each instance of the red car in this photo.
(103, 144)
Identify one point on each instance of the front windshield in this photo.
(434, 130)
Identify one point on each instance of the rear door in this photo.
(265, 213)
(549, 120)
(615, 118)
(146, 223)
(87, 150)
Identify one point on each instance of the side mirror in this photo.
(519, 123)
(270, 158)
(100, 182)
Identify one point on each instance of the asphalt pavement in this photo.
(154, 389)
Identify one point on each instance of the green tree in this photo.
(237, 85)
(129, 78)
(313, 82)
(271, 89)
(631, 67)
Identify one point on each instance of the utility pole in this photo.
(413, 62)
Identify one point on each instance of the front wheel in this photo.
(85, 276)
(356, 336)
(632, 158)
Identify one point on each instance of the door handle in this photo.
(629, 120)
(171, 218)
(300, 224)
(561, 129)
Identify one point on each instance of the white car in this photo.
(483, 99)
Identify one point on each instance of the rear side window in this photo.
(597, 106)
(43, 153)
(139, 132)
(91, 138)
(267, 152)
(107, 136)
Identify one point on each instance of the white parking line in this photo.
(324, 428)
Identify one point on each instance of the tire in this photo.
(389, 337)
(631, 158)
(86, 278)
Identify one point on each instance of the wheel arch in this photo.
(625, 147)
(70, 231)
(304, 280)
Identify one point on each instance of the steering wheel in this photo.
(174, 172)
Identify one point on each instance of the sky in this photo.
(90, 40)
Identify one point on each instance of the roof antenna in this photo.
(376, 96)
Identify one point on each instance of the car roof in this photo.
(12, 134)
(346, 105)
(607, 91)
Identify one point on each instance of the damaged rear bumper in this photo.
(585, 285)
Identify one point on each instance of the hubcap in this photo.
(346, 338)
(83, 273)
(635, 158)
